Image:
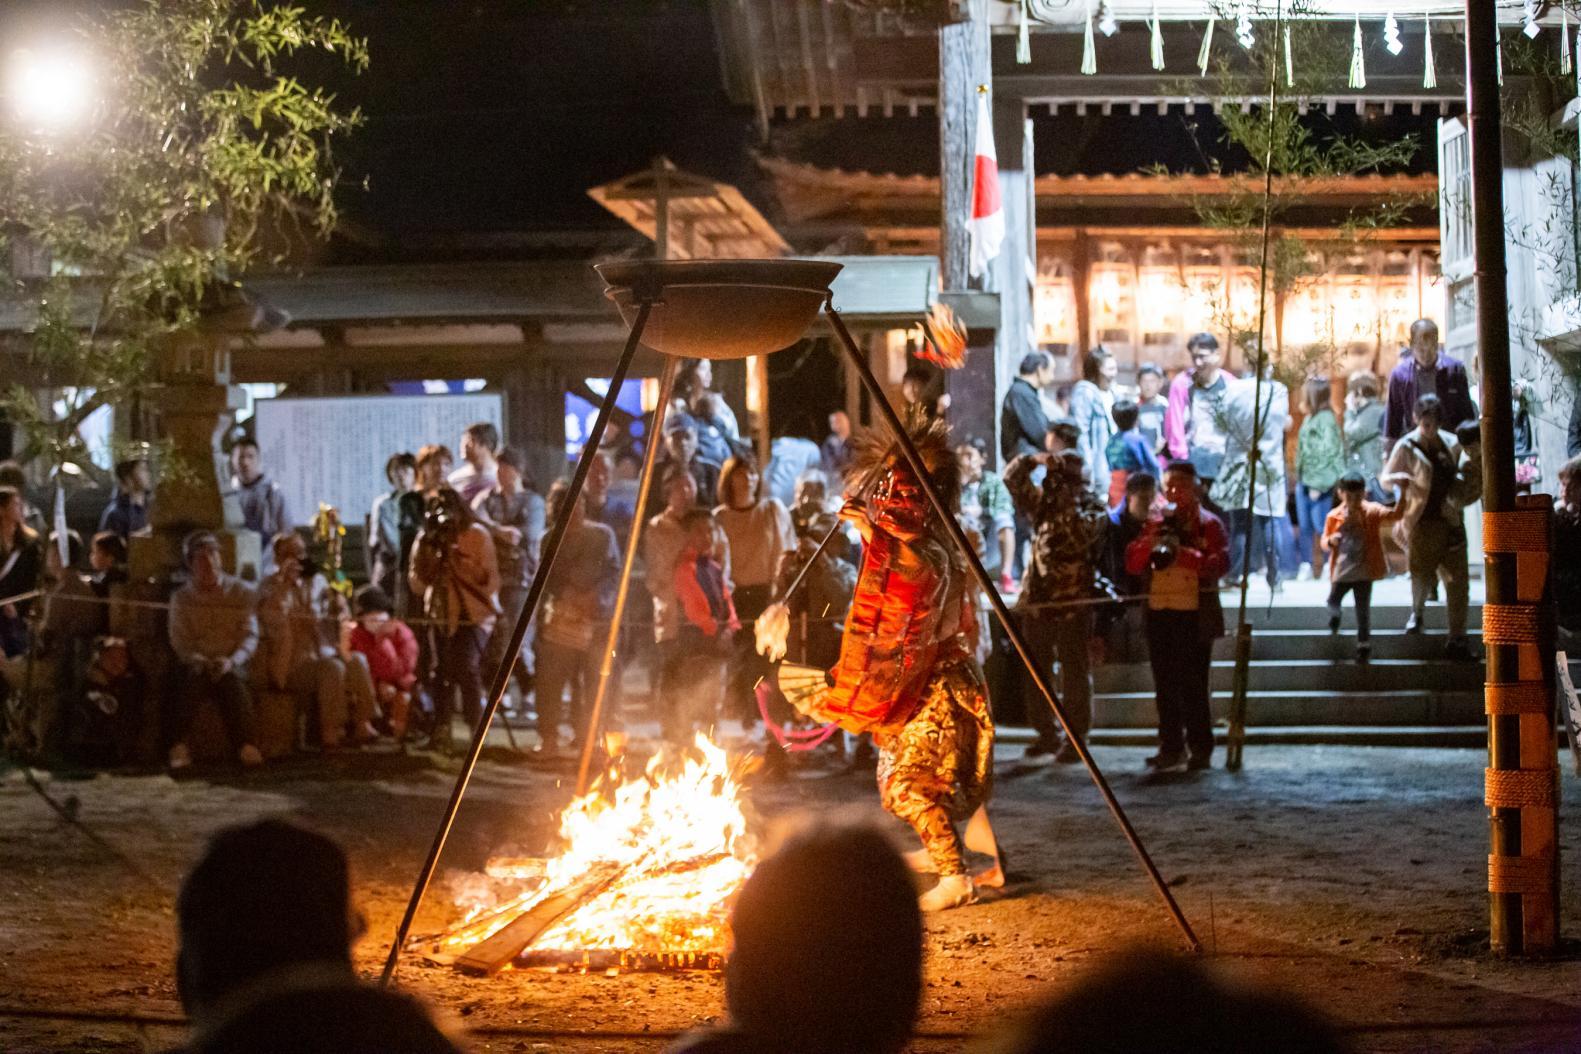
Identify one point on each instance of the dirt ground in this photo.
(1352, 876)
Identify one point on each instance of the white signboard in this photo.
(333, 449)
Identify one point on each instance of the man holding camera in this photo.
(1056, 616)
(1183, 553)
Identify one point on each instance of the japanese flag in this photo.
(986, 228)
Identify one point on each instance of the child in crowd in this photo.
(107, 558)
(1128, 452)
(1353, 539)
(390, 647)
(708, 625)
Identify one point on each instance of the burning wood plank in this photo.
(491, 955)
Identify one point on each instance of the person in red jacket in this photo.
(1353, 539)
(390, 647)
(1185, 551)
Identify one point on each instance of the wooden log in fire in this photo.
(491, 955)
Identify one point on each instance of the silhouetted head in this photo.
(828, 947)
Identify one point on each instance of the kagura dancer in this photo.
(907, 674)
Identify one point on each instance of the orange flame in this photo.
(944, 337)
(680, 834)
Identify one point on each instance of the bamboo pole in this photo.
(1039, 676)
(551, 549)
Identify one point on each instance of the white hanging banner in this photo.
(1089, 52)
(1156, 48)
(1207, 48)
(1358, 61)
(1429, 73)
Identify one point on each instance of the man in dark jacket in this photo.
(1022, 422)
(1426, 371)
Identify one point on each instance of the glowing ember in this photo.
(675, 841)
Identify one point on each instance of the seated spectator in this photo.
(299, 616)
(107, 561)
(1128, 452)
(127, 512)
(707, 629)
(266, 928)
(1149, 1001)
(1353, 538)
(213, 625)
(828, 952)
(390, 648)
(21, 564)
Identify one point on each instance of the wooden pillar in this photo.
(1015, 271)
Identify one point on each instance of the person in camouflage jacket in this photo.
(1067, 533)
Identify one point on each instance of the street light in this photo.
(48, 88)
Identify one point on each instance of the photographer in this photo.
(1184, 553)
(455, 573)
(1067, 525)
(300, 618)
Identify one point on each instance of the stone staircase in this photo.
(1305, 685)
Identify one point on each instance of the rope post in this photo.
(1522, 778)
(1522, 774)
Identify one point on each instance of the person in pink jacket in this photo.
(390, 647)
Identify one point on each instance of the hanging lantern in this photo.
(1358, 62)
(1156, 49)
(1207, 48)
(1089, 51)
(1308, 318)
(1024, 36)
(1429, 74)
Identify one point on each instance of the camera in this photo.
(1163, 555)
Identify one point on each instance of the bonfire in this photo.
(649, 868)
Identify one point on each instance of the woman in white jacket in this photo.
(1092, 408)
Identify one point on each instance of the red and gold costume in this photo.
(907, 673)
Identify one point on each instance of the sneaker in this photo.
(1459, 651)
(1007, 584)
(1175, 762)
(1067, 755)
(1413, 624)
(1304, 573)
(1198, 762)
(250, 757)
(180, 757)
(1363, 653)
(953, 891)
(1333, 621)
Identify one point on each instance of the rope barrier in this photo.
(1525, 875)
(1522, 697)
(1518, 788)
(1511, 624)
(1520, 531)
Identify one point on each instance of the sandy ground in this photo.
(1353, 876)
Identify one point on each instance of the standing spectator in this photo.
(433, 469)
(1425, 466)
(695, 377)
(263, 502)
(21, 563)
(1060, 437)
(11, 475)
(1022, 422)
(825, 595)
(1193, 425)
(708, 625)
(514, 515)
(790, 457)
(579, 600)
(1183, 553)
(1067, 524)
(836, 450)
(760, 535)
(107, 561)
(680, 450)
(384, 529)
(1320, 461)
(1126, 521)
(213, 625)
(479, 470)
(127, 512)
(1150, 405)
(662, 541)
(1528, 464)
(1364, 430)
(1092, 408)
(1128, 452)
(603, 503)
(810, 501)
(299, 618)
(986, 508)
(1057, 403)
(1353, 538)
(455, 572)
(715, 444)
(389, 647)
(1426, 371)
(921, 388)
(1249, 418)
(1567, 539)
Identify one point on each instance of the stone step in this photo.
(1294, 644)
(1287, 708)
(1315, 617)
(1313, 676)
